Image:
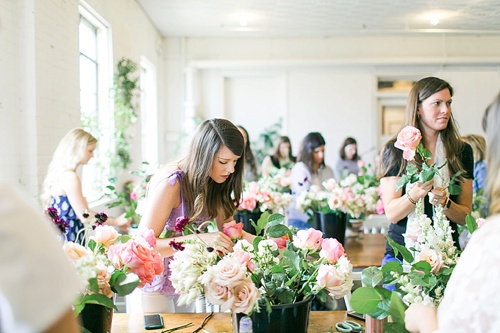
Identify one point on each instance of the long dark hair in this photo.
(312, 141)
(276, 156)
(202, 194)
(452, 141)
(348, 141)
(249, 157)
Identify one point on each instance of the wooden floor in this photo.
(366, 250)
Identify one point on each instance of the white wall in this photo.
(330, 85)
(39, 84)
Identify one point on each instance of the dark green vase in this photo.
(286, 318)
(96, 318)
(245, 217)
(332, 225)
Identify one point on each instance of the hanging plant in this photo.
(125, 88)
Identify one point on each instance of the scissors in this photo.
(348, 326)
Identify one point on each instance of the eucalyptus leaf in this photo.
(365, 300)
(371, 277)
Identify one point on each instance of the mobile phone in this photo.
(356, 315)
(153, 321)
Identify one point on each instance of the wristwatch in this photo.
(447, 205)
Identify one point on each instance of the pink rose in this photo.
(480, 221)
(331, 250)
(248, 203)
(245, 296)
(244, 258)
(433, 258)
(217, 294)
(380, 207)
(228, 271)
(74, 250)
(331, 280)
(281, 242)
(105, 234)
(133, 195)
(408, 140)
(233, 230)
(148, 235)
(138, 258)
(308, 239)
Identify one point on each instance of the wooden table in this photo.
(319, 322)
(365, 251)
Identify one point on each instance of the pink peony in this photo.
(331, 250)
(408, 140)
(310, 239)
(148, 235)
(248, 203)
(233, 230)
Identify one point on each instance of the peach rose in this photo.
(330, 279)
(74, 250)
(244, 258)
(331, 250)
(105, 234)
(433, 258)
(233, 230)
(228, 271)
(310, 239)
(245, 296)
(217, 294)
(408, 140)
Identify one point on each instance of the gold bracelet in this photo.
(410, 198)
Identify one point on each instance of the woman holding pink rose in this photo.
(205, 185)
(471, 303)
(429, 120)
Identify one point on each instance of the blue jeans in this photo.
(299, 224)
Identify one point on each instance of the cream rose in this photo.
(433, 258)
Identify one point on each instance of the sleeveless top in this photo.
(67, 214)
(396, 230)
(161, 283)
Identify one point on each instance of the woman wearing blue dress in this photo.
(62, 188)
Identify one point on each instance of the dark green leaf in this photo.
(471, 223)
(365, 300)
(454, 189)
(407, 256)
(397, 309)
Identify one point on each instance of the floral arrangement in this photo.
(131, 199)
(111, 263)
(268, 193)
(355, 195)
(279, 267)
(409, 140)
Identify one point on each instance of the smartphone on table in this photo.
(153, 321)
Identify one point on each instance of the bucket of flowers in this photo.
(109, 264)
(266, 279)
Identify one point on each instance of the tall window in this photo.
(95, 84)
(149, 114)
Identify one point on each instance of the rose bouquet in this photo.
(268, 193)
(111, 263)
(279, 267)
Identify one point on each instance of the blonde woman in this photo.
(62, 188)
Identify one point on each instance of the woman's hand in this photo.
(438, 196)
(420, 189)
(121, 222)
(420, 318)
(218, 240)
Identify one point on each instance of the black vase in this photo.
(332, 225)
(96, 318)
(293, 317)
(245, 217)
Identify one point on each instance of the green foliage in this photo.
(125, 89)
(265, 143)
